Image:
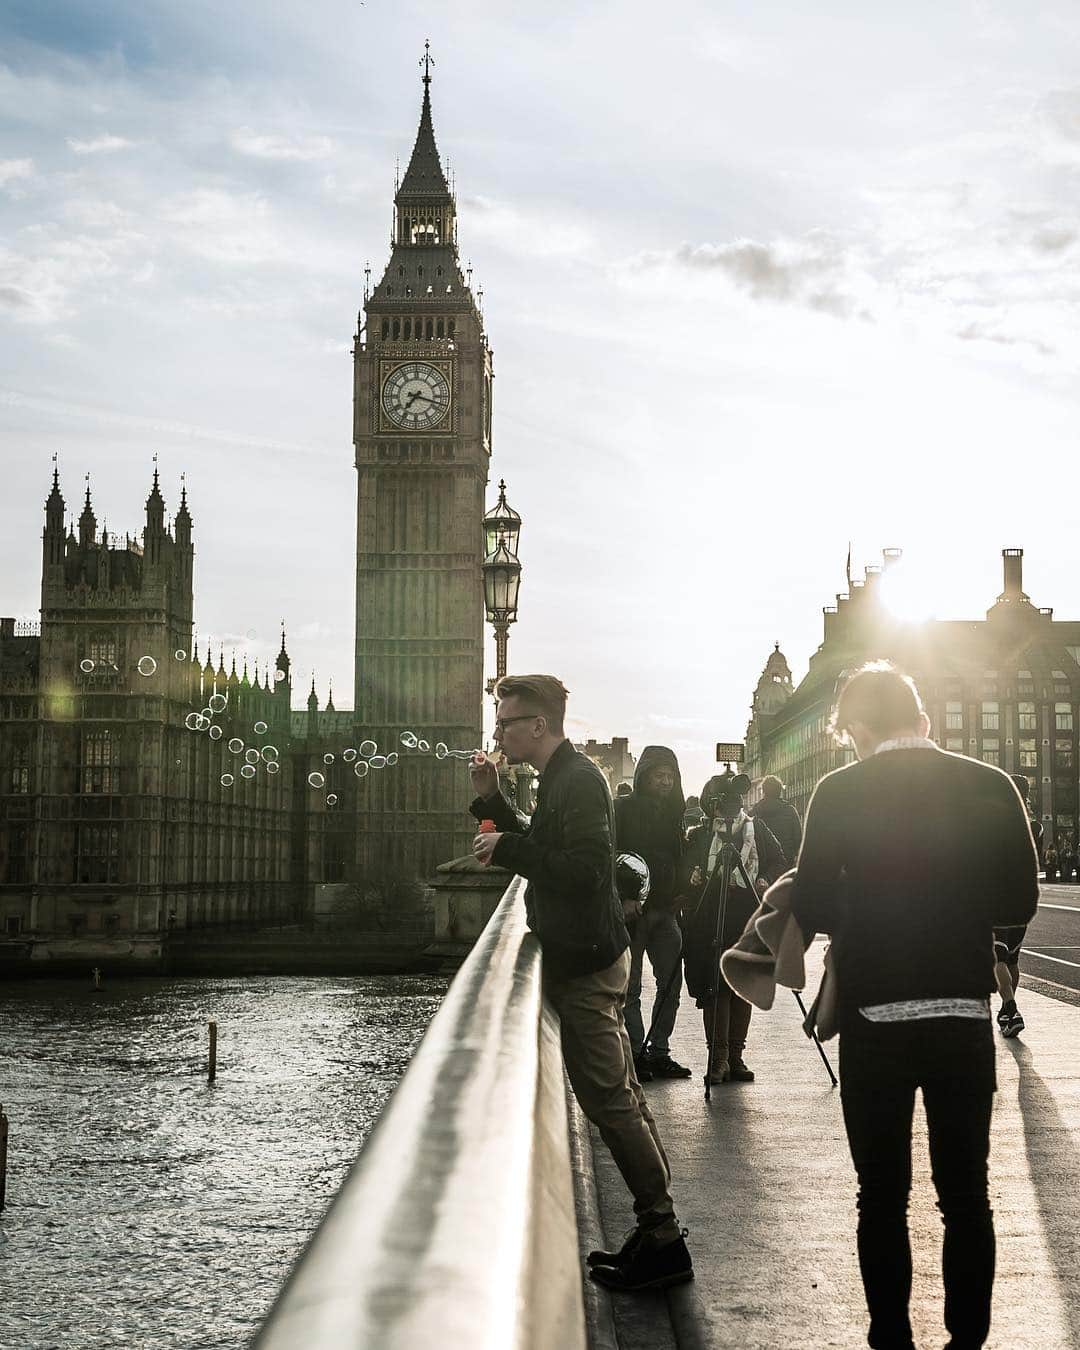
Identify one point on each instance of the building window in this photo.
(1029, 754)
(954, 717)
(19, 780)
(1063, 718)
(386, 328)
(1026, 713)
(97, 853)
(1063, 753)
(101, 649)
(18, 854)
(955, 744)
(990, 717)
(100, 766)
(991, 751)
(13, 925)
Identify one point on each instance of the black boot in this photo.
(642, 1071)
(650, 1266)
(739, 1072)
(619, 1258)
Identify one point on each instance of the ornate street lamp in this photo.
(502, 575)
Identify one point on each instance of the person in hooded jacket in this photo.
(649, 822)
(780, 816)
(726, 1015)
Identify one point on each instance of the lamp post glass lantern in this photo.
(502, 574)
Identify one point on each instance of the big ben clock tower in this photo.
(422, 432)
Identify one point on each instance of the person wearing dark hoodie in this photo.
(649, 822)
(780, 816)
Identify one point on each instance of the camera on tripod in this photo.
(722, 795)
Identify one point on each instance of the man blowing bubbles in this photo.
(566, 853)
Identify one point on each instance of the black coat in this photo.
(701, 903)
(783, 820)
(566, 852)
(912, 857)
(652, 827)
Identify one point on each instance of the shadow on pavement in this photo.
(1054, 1165)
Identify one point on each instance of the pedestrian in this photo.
(649, 822)
(911, 840)
(780, 816)
(1009, 941)
(1051, 863)
(726, 1016)
(1066, 861)
(566, 853)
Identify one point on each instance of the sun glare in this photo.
(907, 596)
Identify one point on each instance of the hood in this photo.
(652, 757)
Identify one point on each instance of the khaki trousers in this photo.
(600, 1065)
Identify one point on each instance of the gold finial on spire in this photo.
(427, 61)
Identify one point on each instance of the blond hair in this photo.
(547, 693)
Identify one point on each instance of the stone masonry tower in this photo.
(422, 432)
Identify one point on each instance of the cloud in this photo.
(14, 297)
(975, 332)
(104, 144)
(804, 272)
(263, 145)
(12, 170)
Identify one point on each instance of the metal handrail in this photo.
(456, 1225)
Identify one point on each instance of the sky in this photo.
(760, 279)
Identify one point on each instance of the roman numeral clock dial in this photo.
(416, 396)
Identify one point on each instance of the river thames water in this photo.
(146, 1208)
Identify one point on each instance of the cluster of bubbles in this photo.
(361, 760)
(255, 757)
(411, 741)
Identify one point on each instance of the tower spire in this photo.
(424, 178)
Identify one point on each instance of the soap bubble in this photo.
(391, 759)
(259, 728)
(360, 768)
(207, 713)
(273, 766)
(368, 748)
(191, 721)
(423, 747)
(218, 702)
(377, 761)
(252, 755)
(269, 753)
(331, 799)
(328, 758)
(146, 665)
(201, 721)
(278, 675)
(215, 733)
(180, 654)
(316, 780)
(409, 740)
(227, 780)
(247, 770)
(251, 633)
(441, 750)
(348, 755)
(236, 745)
(86, 665)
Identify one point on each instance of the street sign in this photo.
(730, 752)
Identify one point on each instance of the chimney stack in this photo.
(1013, 563)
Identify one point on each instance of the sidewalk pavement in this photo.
(764, 1182)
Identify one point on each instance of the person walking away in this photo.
(1008, 941)
(780, 816)
(649, 822)
(1051, 863)
(566, 853)
(1065, 860)
(726, 1016)
(911, 839)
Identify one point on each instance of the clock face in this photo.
(416, 395)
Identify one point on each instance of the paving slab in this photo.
(763, 1180)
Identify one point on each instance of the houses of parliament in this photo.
(144, 786)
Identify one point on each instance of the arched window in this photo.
(386, 328)
(100, 762)
(389, 290)
(420, 269)
(401, 271)
(428, 329)
(450, 328)
(408, 328)
(438, 271)
(397, 328)
(440, 329)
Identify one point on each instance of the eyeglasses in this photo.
(501, 723)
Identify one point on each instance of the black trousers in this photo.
(881, 1064)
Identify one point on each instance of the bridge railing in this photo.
(456, 1225)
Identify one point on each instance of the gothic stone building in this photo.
(1004, 689)
(422, 392)
(115, 818)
